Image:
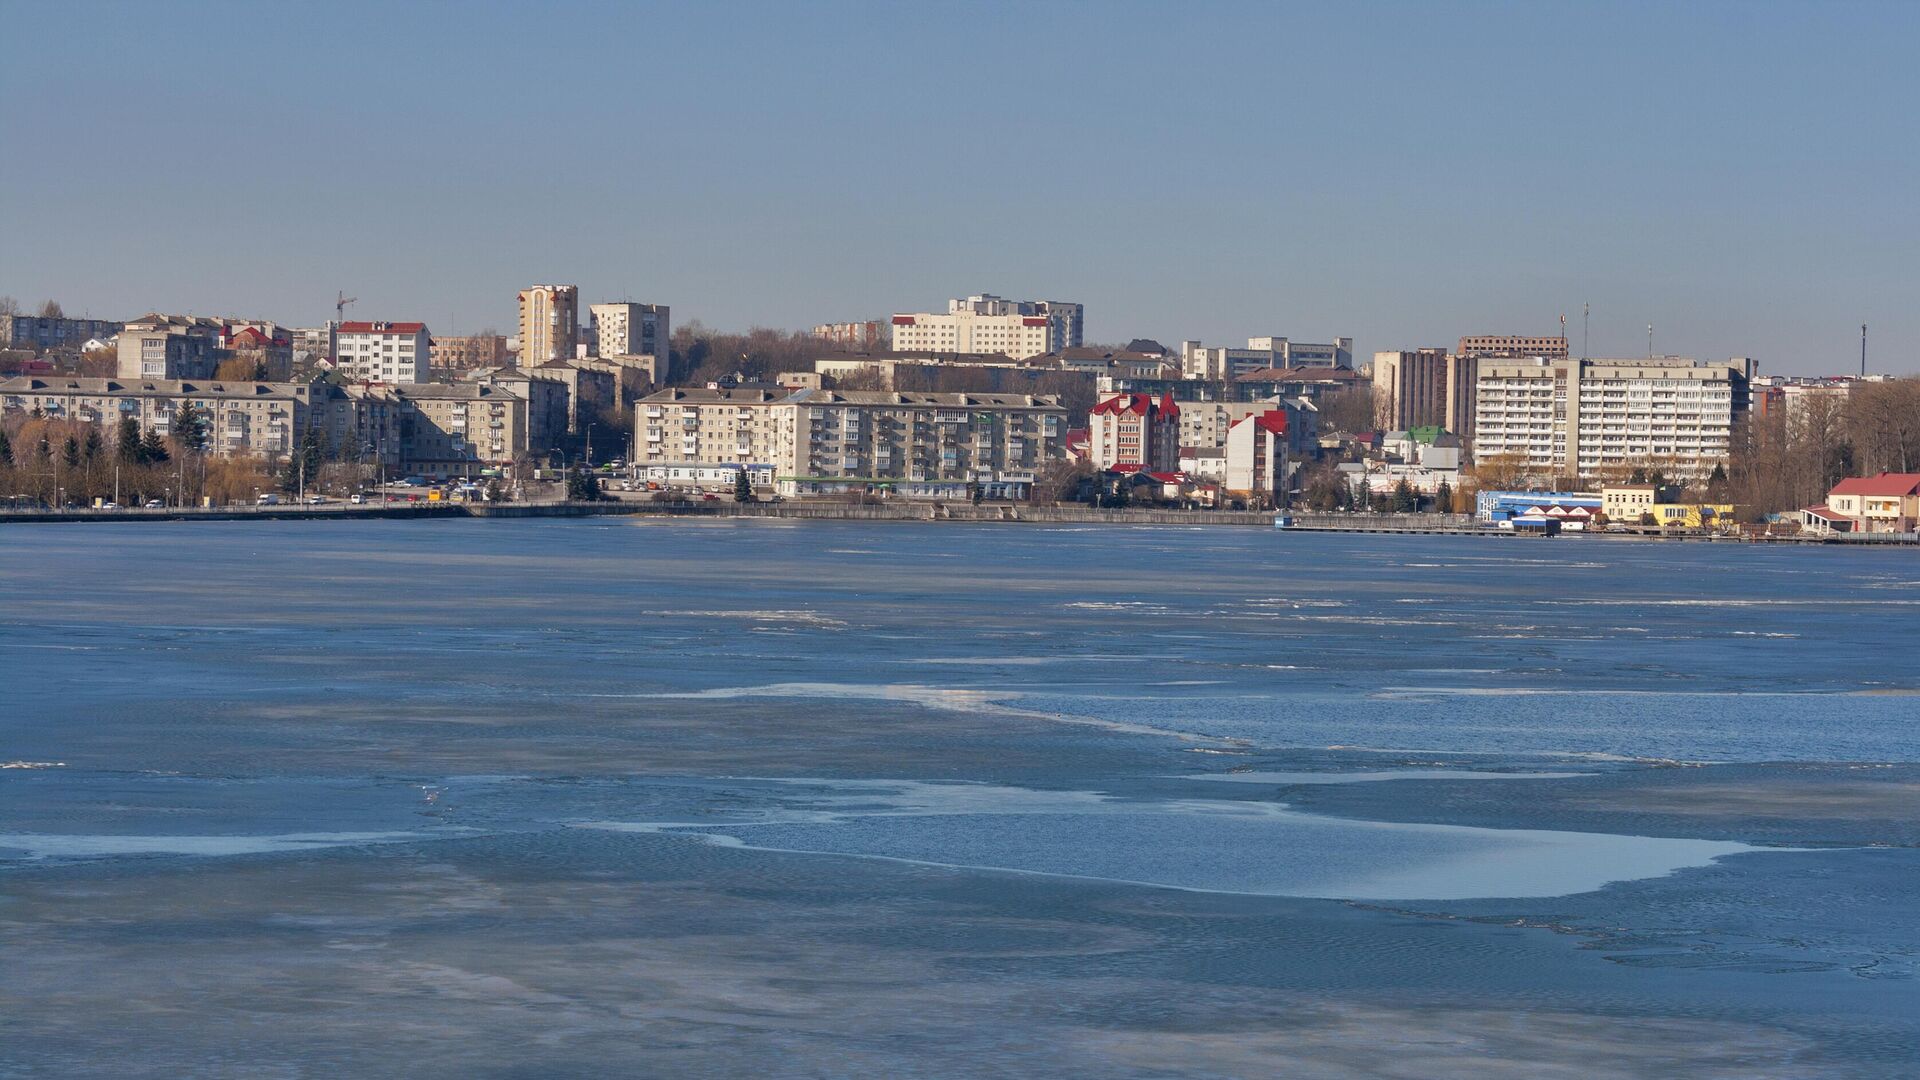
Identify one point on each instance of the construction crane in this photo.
(340, 306)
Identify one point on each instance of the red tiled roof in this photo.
(1168, 406)
(382, 328)
(1886, 484)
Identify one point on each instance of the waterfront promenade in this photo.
(1010, 513)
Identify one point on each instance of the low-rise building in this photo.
(1627, 502)
(851, 336)
(1887, 503)
(1498, 506)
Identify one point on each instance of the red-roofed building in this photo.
(1889, 502)
(1137, 429)
(390, 352)
(1257, 465)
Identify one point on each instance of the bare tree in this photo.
(51, 310)
(9, 306)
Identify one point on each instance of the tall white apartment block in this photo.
(391, 352)
(549, 323)
(1199, 361)
(628, 329)
(1589, 417)
(985, 323)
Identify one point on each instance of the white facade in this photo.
(986, 323)
(1199, 361)
(628, 329)
(391, 352)
(1579, 417)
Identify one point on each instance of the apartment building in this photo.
(629, 329)
(546, 398)
(1513, 346)
(817, 441)
(1588, 417)
(391, 352)
(1219, 363)
(692, 426)
(1256, 461)
(1135, 432)
(169, 347)
(265, 419)
(1409, 389)
(1205, 424)
(549, 323)
(51, 332)
(852, 336)
(469, 352)
(985, 323)
(916, 445)
(313, 343)
(448, 430)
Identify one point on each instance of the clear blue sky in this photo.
(1745, 176)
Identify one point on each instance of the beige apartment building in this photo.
(549, 323)
(816, 441)
(468, 353)
(1513, 347)
(705, 427)
(629, 329)
(447, 430)
(169, 347)
(1590, 417)
(245, 418)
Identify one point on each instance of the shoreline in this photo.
(987, 513)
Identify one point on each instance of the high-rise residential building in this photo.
(1204, 424)
(157, 346)
(1463, 372)
(1135, 432)
(549, 323)
(1512, 347)
(1409, 389)
(391, 352)
(1198, 361)
(985, 323)
(629, 329)
(1588, 418)
(1257, 461)
(314, 343)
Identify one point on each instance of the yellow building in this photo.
(549, 323)
(1694, 515)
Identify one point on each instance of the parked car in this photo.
(356, 498)
(268, 499)
(316, 500)
(154, 504)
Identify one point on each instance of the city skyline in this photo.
(1401, 174)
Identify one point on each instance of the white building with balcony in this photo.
(390, 352)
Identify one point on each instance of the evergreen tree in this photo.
(6, 450)
(583, 486)
(70, 452)
(742, 487)
(1404, 499)
(127, 445)
(190, 426)
(1443, 498)
(153, 449)
(92, 447)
